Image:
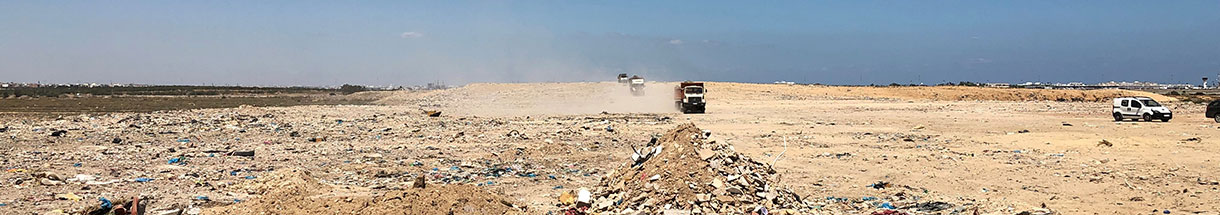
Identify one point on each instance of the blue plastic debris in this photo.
(250, 177)
(550, 176)
(184, 140)
(76, 164)
(143, 179)
(204, 198)
(1166, 212)
(558, 187)
(435, 169)
(174, 160)
(236, 200)
(3, 204)
(868, 198)
(105, 203)
(887, 205)
(233, 173)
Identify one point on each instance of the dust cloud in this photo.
(520, 99)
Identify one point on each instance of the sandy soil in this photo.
(1002, 151)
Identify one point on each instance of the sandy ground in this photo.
(1005, 151)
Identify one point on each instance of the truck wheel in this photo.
(1217, 118)
(1147, 117)
(1119, 117)
(1165, 120)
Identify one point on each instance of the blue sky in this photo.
(404, 43)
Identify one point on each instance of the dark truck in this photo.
(637, 86)
(688, 97)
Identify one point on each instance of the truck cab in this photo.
(637, 86)
(1137, 108)
(688, 97)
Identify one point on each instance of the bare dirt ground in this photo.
(994, 151)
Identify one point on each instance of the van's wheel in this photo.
(1147, 117)
(1119, 117)
(1165, 120)
(1217, 118)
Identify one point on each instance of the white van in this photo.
(1137, 108)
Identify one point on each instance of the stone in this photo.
(733, 190)
(567, 198)
(725, 199)
(704, 154)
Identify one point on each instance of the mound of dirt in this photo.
(296, 192)
(683, 172)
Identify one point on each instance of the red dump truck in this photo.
(688, 97)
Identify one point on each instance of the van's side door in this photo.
(1125, 108)
(1136, 106)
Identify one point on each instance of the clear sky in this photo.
(407, 43)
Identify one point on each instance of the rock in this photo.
(567, 198)
(717, 183)
(604, 203)
(1105, 143)
(420, 182)
(704, 154)
(733, 190)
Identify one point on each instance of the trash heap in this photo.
(683, 173)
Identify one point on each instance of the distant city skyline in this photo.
(395, 43)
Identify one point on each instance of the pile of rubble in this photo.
(681, 172)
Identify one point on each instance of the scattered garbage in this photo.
(141, 179)
(1105, 143)
(879, 185)
(68, 196)
(59, 133)
(432, 113)
(242, 153)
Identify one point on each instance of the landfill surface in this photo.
(593, 148)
